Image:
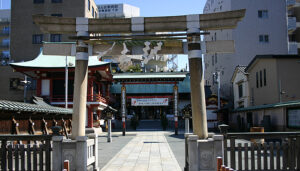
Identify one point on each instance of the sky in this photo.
(154, 8)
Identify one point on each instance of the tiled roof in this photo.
(6, 105)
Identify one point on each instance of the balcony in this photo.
(60, 99)
(4, 46)
(293, 48)
(4, 33)
(292, 24)
(290, 3)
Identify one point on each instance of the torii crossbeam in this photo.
(191, 24)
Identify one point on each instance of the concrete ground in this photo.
(142, 150)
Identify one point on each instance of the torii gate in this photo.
(140, 28)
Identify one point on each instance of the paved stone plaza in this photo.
(142, 151)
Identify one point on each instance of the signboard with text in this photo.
(150, 102)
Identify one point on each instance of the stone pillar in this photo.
(81, 77)
(81, 153)
(208, 151)
(175, 88)
(109, 139)
(187, 125)
(95, 137)
(123, 107)
(186, 136)
(197, 80)
(192, 152)
(57, 152)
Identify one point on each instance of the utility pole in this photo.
(218, 76)
(66, 83)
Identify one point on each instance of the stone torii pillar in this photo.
(81, 79)
(197, 79)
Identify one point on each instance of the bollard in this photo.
(219, 163)
(109, 139)
(66, 165)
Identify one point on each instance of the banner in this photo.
(150, 102)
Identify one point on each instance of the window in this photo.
(265, 77)
(264, 38)
(5, 30)
(216, 58)
(240, 90)
(5, 42)
(260, 78)
(212, 60)
(38, 1)
(256, 79)
(96, 15)
(55, 38)
(56, 15)
(263, 14)
(5, 54)
(93, 12)
(37, 39)
(89, 5)
(56, 1)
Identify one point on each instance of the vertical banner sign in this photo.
(123, 106)
(176, 108)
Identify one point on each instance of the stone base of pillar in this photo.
(202, 154)
(78, 152)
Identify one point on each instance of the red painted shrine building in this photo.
(49, 73)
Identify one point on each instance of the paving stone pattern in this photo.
(108, 150)
(148, 151)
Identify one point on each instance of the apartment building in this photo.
(118, 11)
(26, 39)
(262, 31)
(293, 10)
(4, 36)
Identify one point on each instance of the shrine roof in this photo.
(55, 61)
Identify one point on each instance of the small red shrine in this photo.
(49, 73)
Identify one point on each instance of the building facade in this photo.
(240, 86)
(118, 11)
(262, 31)
(293, 10)
(26, 39)
(4, 36)
(273, 79)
